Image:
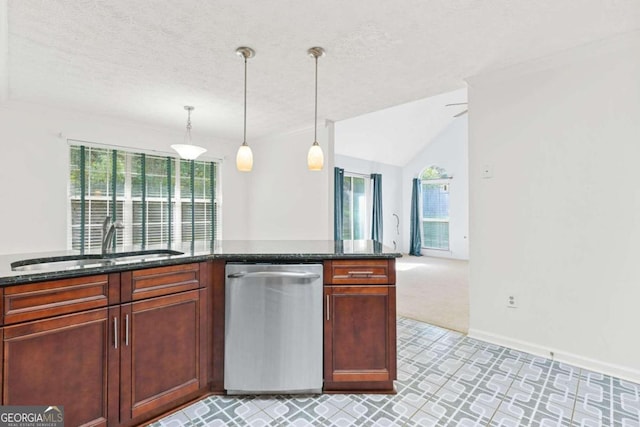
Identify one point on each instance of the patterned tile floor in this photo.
(444, 379)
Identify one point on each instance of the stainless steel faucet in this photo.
(108, 231)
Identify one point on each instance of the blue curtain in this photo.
(338, 195)
(376, 221)
(415, 242)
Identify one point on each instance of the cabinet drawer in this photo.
(364, 272)
(52, 298)
(158, 281)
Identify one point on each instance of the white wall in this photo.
(34, 168)
(280, 199)
(391, 196)
(4, 51)
(448, 150)
(286, 201)
(558, 225)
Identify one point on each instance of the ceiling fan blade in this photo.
(459, 103)
(462, 113)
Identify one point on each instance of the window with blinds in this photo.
(435, 208)
(162, 201)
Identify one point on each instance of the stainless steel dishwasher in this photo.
(273, 328)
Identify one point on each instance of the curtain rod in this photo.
(364, 175)
(71, 141)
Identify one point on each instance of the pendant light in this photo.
(244, 158)
(187, 150)
(315, 158)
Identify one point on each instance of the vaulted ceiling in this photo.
(144, 60)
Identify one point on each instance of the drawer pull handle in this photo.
(126, 330)
(327, 307)
(115, 332)
(360, 273)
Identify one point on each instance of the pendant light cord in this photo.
(189, 125)
(245, 101)
(315, 126)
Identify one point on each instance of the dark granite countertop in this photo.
(230, 250)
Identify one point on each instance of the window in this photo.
(354, 207)
(435, 208)
(160, 200)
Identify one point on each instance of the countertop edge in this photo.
(32, 277)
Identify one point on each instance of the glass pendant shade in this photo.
(188, 151)
(244, 158)
(315, 158)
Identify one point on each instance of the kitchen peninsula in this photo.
(124, 338)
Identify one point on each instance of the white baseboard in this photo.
(619, 371)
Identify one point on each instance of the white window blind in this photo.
(435, 215)
(161, 200)
(435, 208)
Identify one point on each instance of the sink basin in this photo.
(83, 261)
(150, 255)
(56, 263)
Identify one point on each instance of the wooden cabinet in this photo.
(163, 356)
(360, 272)
(163, 340)
(56, 346)
(52, 298)
(152, 282)
(119, 349)
(216, 301)
(136, 347)
(64, 360)
(359, 329)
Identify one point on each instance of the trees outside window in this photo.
(160, 200)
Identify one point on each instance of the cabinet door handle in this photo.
(360, 273)
(327, 307)
(126, 330)
(115, 332)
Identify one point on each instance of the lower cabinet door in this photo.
(62, 361)
(359, 344)
(163, 352)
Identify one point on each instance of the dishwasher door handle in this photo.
(273, 274)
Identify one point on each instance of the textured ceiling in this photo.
(143, 60)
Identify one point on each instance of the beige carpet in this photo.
(433, 290)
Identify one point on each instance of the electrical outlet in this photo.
(512, 302)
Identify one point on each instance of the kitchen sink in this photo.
(69, 262)
(57, 263)
(124, 257)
